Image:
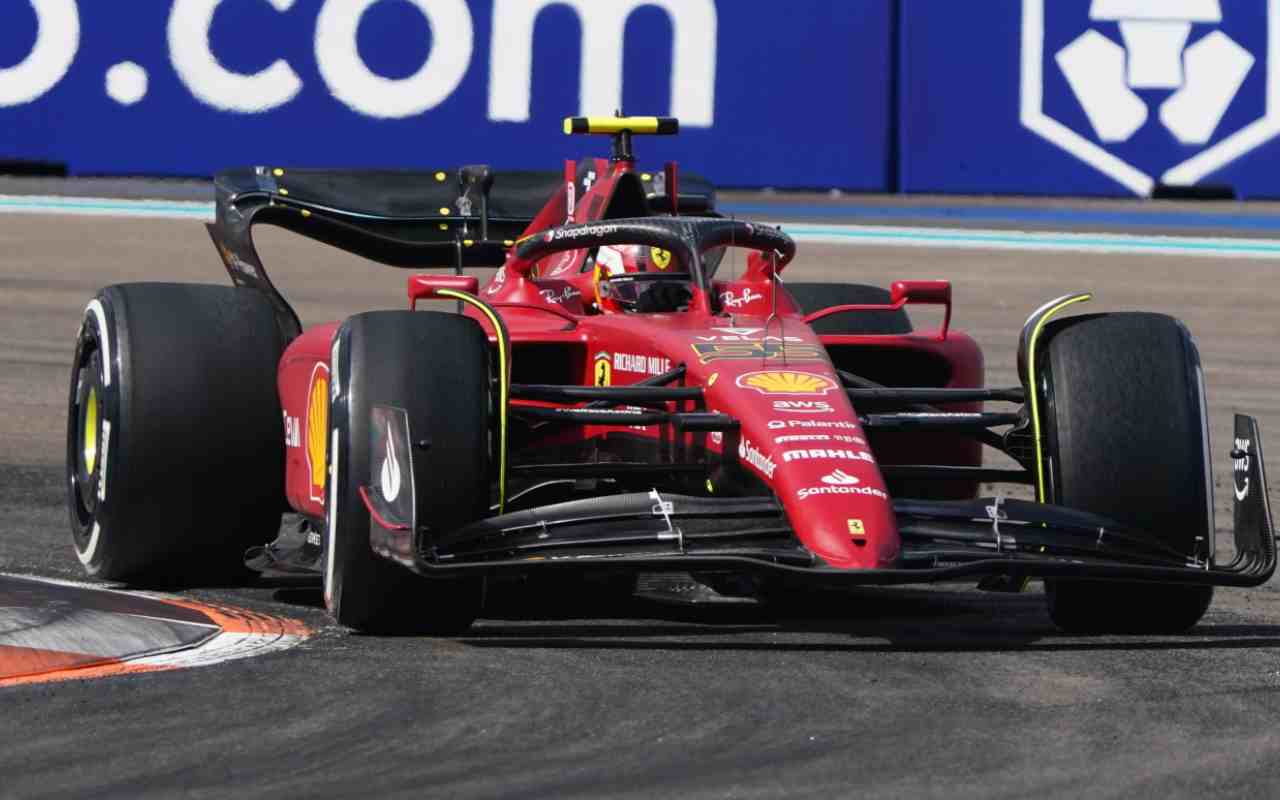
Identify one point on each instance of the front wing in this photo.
(942, 540)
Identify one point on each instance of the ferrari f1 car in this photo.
(636, 391)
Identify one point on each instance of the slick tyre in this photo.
(436, 368)
(175, 440)
(1125, 426)
(817, 296)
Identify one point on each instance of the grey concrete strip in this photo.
(98, 633)
(20, 591)
(103, 624)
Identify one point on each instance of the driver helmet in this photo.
(622, 295)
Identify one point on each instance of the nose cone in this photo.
(837, 503)
(799, 434)
(1176, 10)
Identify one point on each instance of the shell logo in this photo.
(318, 430)
(786, 382)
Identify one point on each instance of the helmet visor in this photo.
(648, 292)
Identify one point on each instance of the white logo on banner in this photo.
(350, 80)
(57, 41)
(367, 92)
(1103, 75)
(603, 23)
(208, 80)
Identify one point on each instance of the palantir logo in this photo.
(1151, 68)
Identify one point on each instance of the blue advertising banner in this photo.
(1093, 97)
(766, 98)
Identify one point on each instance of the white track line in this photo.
(848, 235)
(105, 207)
(1050, 241)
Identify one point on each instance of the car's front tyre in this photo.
(1125, 429)
(435, 367)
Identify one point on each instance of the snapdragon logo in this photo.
(577, 233)
(350, 80)
(1164, 69)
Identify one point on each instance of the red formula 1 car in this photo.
(636, 391)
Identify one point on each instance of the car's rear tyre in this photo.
(817, 296)
(1125, 427)
(175, 440)
(436, 368)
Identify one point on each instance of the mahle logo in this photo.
(1150, 78)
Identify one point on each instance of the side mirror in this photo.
(932, 292)
(936, 293)
(427, 287)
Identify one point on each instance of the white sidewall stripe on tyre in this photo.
(100, 317)
(335, 387)
(86, 555)
(331, 507)
(102, 460)
(332, 512)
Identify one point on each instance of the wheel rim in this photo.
(84, 436)
(89, 432)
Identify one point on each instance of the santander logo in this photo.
(839, 477)
(840, 482)
(752, 455)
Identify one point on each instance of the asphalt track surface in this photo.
(573, 692)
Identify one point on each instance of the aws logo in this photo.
(1146, 92)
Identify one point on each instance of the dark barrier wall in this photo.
(796, 94)
(1095, 97)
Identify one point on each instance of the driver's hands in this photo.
(664, 296)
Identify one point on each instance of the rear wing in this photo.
(413, 219)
